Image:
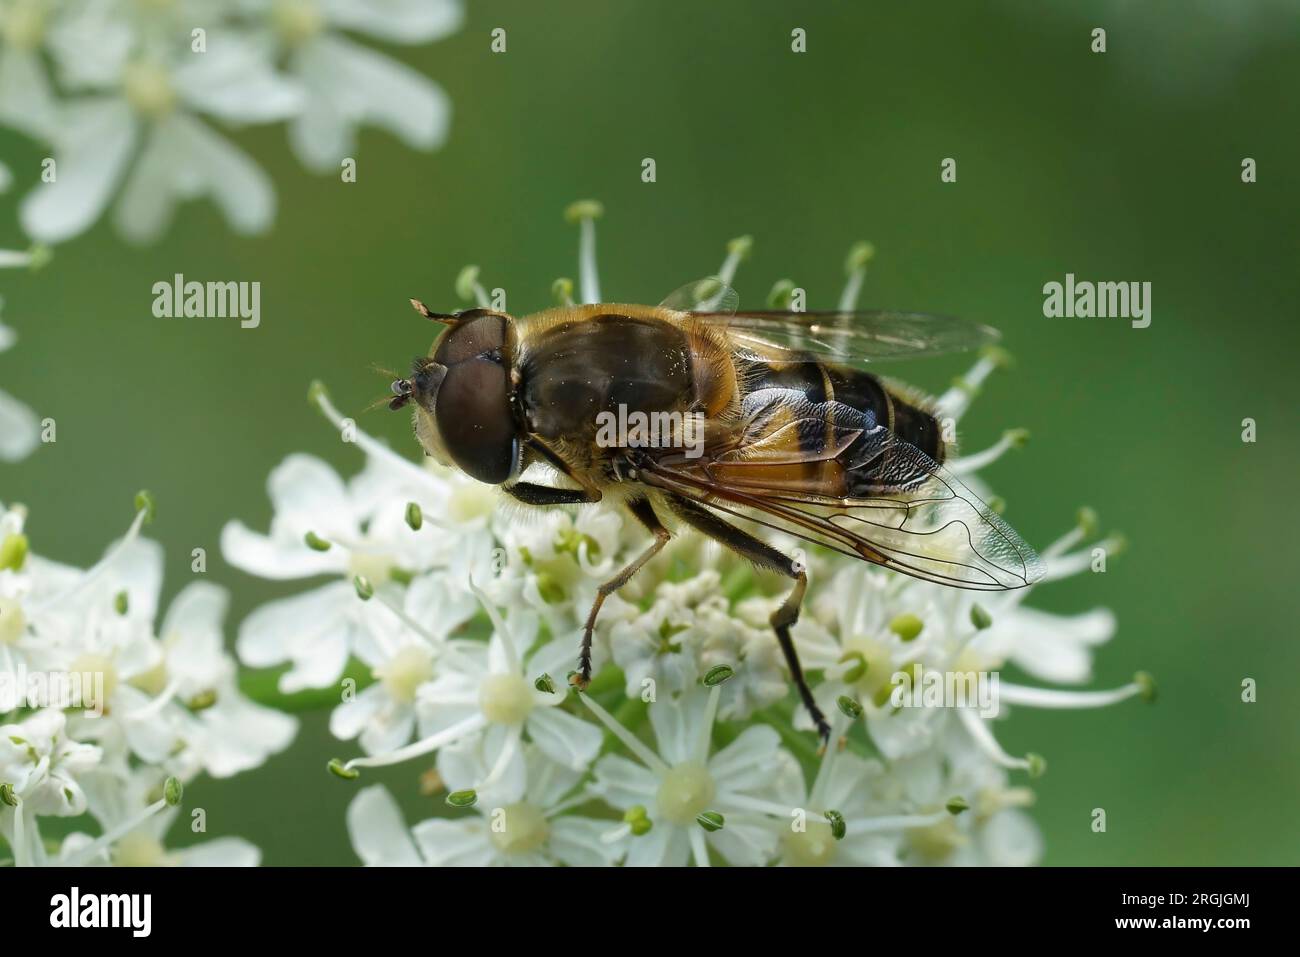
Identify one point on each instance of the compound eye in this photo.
(475, 337)
(475, 421)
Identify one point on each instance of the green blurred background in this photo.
(1122, 166)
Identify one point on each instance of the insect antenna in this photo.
(399, 392)
(444, 317)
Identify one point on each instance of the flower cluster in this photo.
(107, 710)
(450, 619)
(125, 94)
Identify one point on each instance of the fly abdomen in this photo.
(831, 403)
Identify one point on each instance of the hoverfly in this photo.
(797, 435)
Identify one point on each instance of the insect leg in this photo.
(645, 514)
(548, 455)
(764, 556)
(530, 493)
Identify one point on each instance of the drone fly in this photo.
(790, 432)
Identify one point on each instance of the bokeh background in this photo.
(1120, 166)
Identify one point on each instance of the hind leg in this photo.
(764, 556)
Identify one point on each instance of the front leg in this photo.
(642, 510)
(531, 493)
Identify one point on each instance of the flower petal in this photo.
(397, 21)
(95, 141)
(19, 429)
(221, 852)
(378, 831)
(566, 739)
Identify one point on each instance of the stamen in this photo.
(144, 510)
(585, 212)
(562, 291)
(1057, 699)
(706, 726)
(896, 822)
(747, 802)
(319, 397)
(155, 706)
(508, 750)
(954, 403)
(855, 265)
(469, 288)
(617, 834)
(737, 250)
(499, 626)
(635, 745)
(1011, 439)
(699, 849)
(582, 797)
(433, 742)
(1065, 566)
(20, 838)
(33, 258)
(979, 731)
(170, 798)
(1085, 526)
(441, 647)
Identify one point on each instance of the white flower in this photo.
(132, 82)
(150, 108)
(497, 693)
(528, 828)
(319, 629)
(136, 819)
(995, 831)
(688, 630)
(402, 661)
(679, 782)
(195, 688)
(42, 764)
(869, 627)
(19, 427)
(40, 772)
(347, 85)
(26, 100)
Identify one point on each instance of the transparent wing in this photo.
(851, 338)
(857, 488)
(709, 295)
